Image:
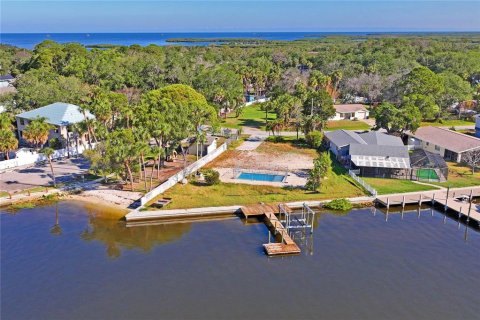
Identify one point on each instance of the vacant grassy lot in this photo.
(386, 186)
(447, 123)
(252, 116)
(460, 176)
(337, 185)
(347, 125)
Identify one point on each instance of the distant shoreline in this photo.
(105, 40)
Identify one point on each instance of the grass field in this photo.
(386, 186)
(460, 176)
(4, 194)
(252, 116)
(447, 123)
(338, 185)
(347, 125)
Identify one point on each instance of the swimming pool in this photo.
(261, 177)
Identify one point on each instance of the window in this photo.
(22, 122)
(437, 148)
(427, 143)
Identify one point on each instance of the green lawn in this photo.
(338, 185)
(252, 116)
(386, 186)
(460, 176)
(4, 194)
(447, 123)
(347, 125)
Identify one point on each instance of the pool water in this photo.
(261, 177)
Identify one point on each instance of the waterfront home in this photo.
(61, 116)
(354, 111)
(372, 153)
(451, 145)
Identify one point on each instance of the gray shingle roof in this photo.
(379, 151)
(372, 149)
(58, 114)
(343, 137)
(379, 138)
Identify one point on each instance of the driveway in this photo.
(27, 177)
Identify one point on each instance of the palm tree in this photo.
(36, 132)
(48, 152)
(8, 142)
(5, 121)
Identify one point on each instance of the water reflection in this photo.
(56, 229)
(362, 268)
(116, 236)
(455, 216)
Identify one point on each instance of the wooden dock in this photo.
(459, 200)
(286, 245)
(258, 210)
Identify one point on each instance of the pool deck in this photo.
(294, 178)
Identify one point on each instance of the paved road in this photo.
(40, 175)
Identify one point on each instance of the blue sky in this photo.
(230, 16)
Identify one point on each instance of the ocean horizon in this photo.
(30, 40)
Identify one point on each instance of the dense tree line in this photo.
(165, 94)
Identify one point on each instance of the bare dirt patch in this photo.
(268, 156)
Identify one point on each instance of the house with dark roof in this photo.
(451, 145)
(61, 116)
(6, 80)
(372, 153)
(355, 111)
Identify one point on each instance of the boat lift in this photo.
(292, 221)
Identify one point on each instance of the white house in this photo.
(451, 145)
(59, 114)
(354, 111)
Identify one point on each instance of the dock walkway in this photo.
(457, 199)
(286, 245)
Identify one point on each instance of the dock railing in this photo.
(362, 182)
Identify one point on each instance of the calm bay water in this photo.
(357, 266)
(29, 40)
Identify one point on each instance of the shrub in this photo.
(211, 177)
(339, 204)
(275, 139)
(55, 143)
(314, 139)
